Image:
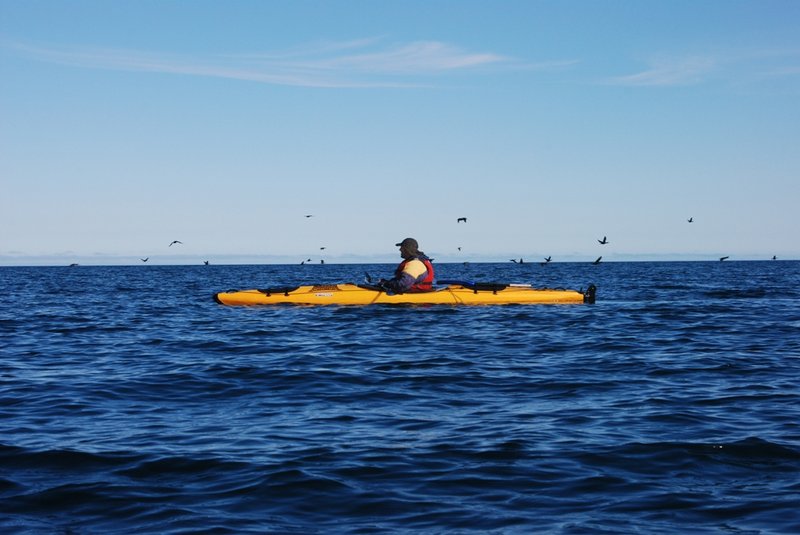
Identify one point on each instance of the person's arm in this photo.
(401, 284)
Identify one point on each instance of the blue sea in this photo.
(131, 402)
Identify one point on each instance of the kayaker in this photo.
(415, 272)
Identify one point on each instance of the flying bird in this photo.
(459, 248)
(461, 220)
(310, 215)
(520, 261)
(598, 260)
(174, 242)
(145, 259)
(690, 220)
(73, 265)
(548, 259)
(205, 262)
(774, 257)
(603, 241)
(724, 258)
(321, 248)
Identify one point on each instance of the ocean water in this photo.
(130, 402)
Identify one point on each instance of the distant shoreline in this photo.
(79, 261)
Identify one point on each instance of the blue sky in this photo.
(126, 125)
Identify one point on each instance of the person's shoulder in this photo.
(421, 264)
(415, 267)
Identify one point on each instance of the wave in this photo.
(466, 485)
(737, 293)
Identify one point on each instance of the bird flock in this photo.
(309, 260)
(459, 220)
(549, 259)
(603, 241)
(147, 258)
(173, 242)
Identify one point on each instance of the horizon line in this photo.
(232, 260)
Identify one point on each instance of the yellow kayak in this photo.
(452, 294)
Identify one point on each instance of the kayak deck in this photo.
(452, 294)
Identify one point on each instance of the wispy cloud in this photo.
(670, 72)
(357, 63)
(422, 57)
(731, 66)
(777, 63)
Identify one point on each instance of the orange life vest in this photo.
(426, 284)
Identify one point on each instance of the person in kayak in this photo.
(415, 272)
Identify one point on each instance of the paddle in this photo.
(378, 286)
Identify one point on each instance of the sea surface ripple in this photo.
(130, 402)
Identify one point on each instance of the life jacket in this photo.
(426, 284)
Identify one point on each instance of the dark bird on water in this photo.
(73, 265)
(174, 242)
(598, 260)
(461, 220)
(145, 259)
(774, 257)
(603, 241)
(520, 261)
(690, 220)
(724, 258)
